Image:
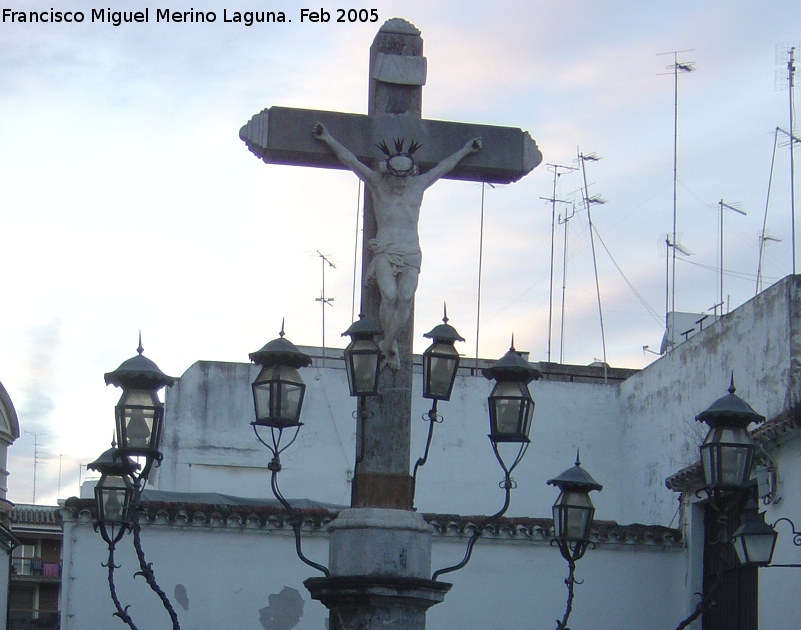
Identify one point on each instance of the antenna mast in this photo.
(791, 85)
(564, 282)
(324, 301)
(588, 201)
(675, 67)
(558, 170)
(36, 459)
(724, 206)
(675, 247)
(762, 237)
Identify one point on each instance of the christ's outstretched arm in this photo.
(449, 163)
(344, 155)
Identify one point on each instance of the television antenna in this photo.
(558, 170)
(564, 222)
(324, 301)
(676, 67)
(671, 247)
(787, 52)
(734, 208)
(36, 458)
(588, 203)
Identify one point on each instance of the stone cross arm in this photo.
(283, 135)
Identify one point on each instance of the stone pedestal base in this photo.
(369, 603)
(380, 563)
(377, 541)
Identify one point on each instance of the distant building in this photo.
(9, 431)
(682, 326)
(35, 584)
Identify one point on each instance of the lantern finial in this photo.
(444, 313)
(282, 333)
(732, 389)
(140, 349)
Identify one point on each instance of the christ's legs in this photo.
(397, 313)
(397, 299)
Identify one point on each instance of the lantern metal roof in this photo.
(444, 332)
(512, 366)
(730, 409)
(576, 478)
(139, 372)
(280, 351)
(113, 462)
(362, 328)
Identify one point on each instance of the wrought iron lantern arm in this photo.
(707, 601)
(292, 518)
(276, 434)
(146, 571)
(122, 613)
(796, 534)
(796, 541)
(432, 417)
(570, 581)
(111, 534)
(508, 484)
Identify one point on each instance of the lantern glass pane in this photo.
(726, 456)
(278, 396)
(289, 396)
(113, 497)
(755, 549)
(572, 516)
(511, 408)
(138, 420)
(261, 398)
(362, 357)
(439, 370)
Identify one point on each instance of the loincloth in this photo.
(398, 256)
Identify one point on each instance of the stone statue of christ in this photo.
(396, 188)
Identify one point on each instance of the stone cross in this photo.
(281, 135)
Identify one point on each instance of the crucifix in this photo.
(425, 150)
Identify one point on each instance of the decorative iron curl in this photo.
(796, 534)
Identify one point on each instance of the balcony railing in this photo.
(29, 619)
(35, 567)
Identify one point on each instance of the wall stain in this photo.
(284, 610)
(181, 596)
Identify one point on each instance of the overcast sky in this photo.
(128, 201)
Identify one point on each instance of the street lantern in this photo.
(278, 389)
(511, 407)
(440, 361)
(362, 357)
(139, 412)
(727, 453)
(755, 540)
(573, 510)
(115, 492)
(572, 521)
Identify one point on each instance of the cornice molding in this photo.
(316, 521)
